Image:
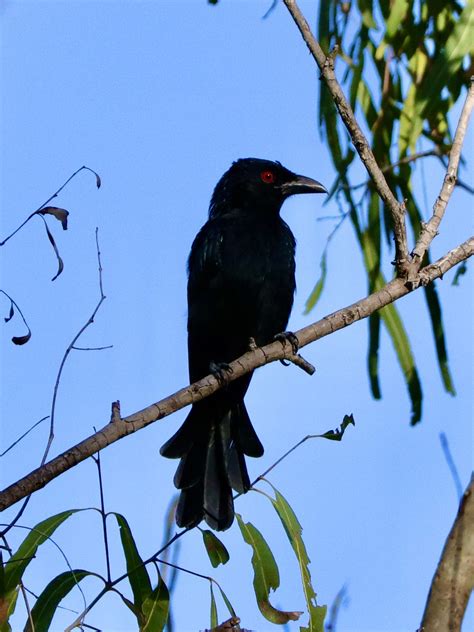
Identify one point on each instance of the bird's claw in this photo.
(288, 336)
(219, 371)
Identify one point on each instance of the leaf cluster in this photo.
(404, 64)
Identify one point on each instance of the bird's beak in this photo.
(302, 184)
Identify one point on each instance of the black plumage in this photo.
(240, 286)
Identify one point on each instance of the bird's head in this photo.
(260, 185)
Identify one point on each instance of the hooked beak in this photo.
(302, 184)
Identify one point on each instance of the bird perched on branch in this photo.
(240, 286)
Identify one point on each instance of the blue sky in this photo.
(159, 98)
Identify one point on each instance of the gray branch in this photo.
(453, 580)
(254, 358)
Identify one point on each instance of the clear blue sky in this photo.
(159, 98)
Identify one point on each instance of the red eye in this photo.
(267, 176)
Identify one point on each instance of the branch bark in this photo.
(119, 428)
(326, 66)
(430, 229)
(453, 580)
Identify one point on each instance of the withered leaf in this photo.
(10, 314)
(21, 340)
(59, 213)
(56, 251)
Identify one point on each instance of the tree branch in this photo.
(453, 580)
(326, 65)
(430, 229)
(119, 428)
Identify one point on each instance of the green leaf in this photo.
(434, 308)
(460, 271)
(315, 295)
(294, 532)
(155, 608)
(366, 102)
(367, 11)
(373, 354)
(398, 11)
(266, 577)
(7, 608)
(431, 295)
(18, 562)
(336, 435)
(402, 347)
(47, 603)
(216, 550)
(446, 64)
(227, 603)
(214, 620)
(411, 124)
(137, 574)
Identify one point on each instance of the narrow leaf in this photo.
(59, 213)
(313, 298)
(155, 608)
(373, 354)
(137, 574)
(21, 340)
(7, 608)
(460, 271)
(336, 435)
(18, 562)
(401, 344)
(294, 532)
(218, 554)
(266, 575)
(398, 11)
(10, 313)
(434, 308)
(227, 603)
(56, 252)
(47, 603)
(214, 620)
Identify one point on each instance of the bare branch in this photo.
(453, 580)
(251, 360)
(403, 161)
(430, 229)
(61, 367)
(21, 437)
(326, 65)
(55, 194)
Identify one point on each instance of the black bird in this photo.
(240, 286)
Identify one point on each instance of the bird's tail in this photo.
(211, 447)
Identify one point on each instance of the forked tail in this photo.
(211, 447)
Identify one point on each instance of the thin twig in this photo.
(451, 464)
(326, 66)
(98, 183)
(13, 303)
(58, 378)
(27, 606)
(17, 441)
(70, 348)
(394, 165)
(92, 348)
(113, 583)
(430, 229)
(103, 516)
(50, 539)
(252, 359)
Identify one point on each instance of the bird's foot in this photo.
(288, 336)
(220, 370)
